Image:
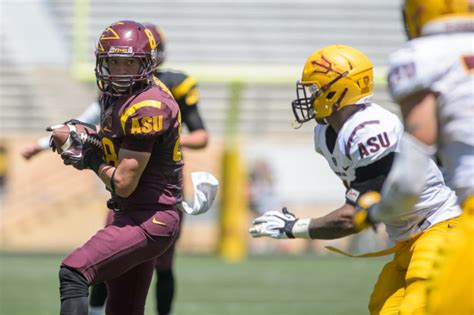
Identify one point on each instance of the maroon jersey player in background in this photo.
(140, 128)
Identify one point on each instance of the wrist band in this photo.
(112, 182)
(301, 228)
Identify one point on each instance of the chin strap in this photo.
(296, 125)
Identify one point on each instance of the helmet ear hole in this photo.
(330, 95)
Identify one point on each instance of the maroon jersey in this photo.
(146, 122)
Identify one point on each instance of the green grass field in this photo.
(267, 285)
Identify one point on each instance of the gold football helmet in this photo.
(418, 13)
(333, 77)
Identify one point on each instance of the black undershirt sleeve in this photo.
(370, 178)
(191, 118)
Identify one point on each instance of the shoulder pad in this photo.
(184, 88)
(162, 85)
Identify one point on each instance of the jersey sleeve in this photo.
(192, 118)
(186, 92)
(411, 71)
(142, 123)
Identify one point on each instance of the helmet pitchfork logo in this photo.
(108, 34)
(327, 66)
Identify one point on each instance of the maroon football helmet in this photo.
(160, 41)
(125, 39)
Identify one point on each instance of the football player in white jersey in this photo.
(431, 77)
(359, 140)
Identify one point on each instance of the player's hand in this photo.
(365, 206)
(274, 224)
(30, 150)
(78, 122)
(81, 155)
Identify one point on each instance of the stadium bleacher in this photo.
(218, 33)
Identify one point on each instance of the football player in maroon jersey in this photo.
(185, 92)
(142, 168)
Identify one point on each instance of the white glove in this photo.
(279, 225)
(205, 190)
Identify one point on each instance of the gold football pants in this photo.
(401, 286)
(451, 286)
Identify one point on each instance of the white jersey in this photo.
(444, 64)
(366, 137)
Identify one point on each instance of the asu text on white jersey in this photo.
(368, 136)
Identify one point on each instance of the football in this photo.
(63, 141)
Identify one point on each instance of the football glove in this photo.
(274, 224)
(78, 122)
(82, 155)
(73, 121)
(366, 205)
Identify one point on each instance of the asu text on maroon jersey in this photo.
(148, 122)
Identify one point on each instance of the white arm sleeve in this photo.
(406, 180)
(90, 115)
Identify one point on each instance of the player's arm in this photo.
(336, 224)
(410, 81)
(187, 96)
(284, 224)
(197, 137)
(419, 115)
(195, 140)
(90, 115)
(123, 179)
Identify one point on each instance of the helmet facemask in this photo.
(306, 94)
(303, 104)
(125, 84)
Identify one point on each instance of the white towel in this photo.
(205, 190)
